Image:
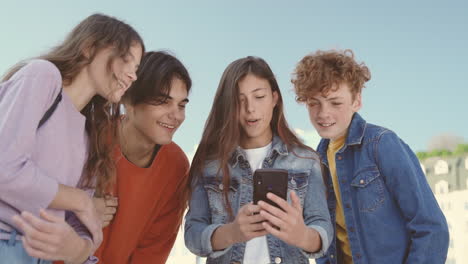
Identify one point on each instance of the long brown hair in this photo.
(92, 35)
(222, 132)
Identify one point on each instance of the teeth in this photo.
(327, 124)
(166, 125)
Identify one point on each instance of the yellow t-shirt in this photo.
(341, 232)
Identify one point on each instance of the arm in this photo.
(204, 238)
(407, 184)
(23, 101)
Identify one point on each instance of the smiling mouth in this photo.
(326, 124)
(121, 83)
(166, 125)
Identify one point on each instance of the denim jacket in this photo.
(207, 212)
(390, 211)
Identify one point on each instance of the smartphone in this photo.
(270, 180)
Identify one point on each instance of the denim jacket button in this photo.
(277, 260)
(340, 158)
(220, 186)
(361, 182)
(332, 256)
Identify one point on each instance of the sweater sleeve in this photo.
(24, 99)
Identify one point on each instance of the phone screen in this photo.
(270, 180)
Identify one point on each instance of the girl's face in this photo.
(111, 83)
(257, 101)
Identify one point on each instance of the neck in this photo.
(80, 90)
(258, 142)
(137, 148)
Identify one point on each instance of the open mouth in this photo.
(326, 124)
(252, 122)
(166, 125)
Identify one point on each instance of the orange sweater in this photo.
(149, 213)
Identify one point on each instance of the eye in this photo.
(260, 96)
(182, 106)
(336, 103)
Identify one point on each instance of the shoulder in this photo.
(176, 154)
(39, 69)
(40, 77)
(376, 132)
(305, 153)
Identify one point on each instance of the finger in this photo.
(279, 201)
(255, 227)
(37, 223)
(270, 229)
(274, 220)
(105, 223)
(255, 218)
(252, 208)
(112, 201)
(110, 210)
(296, 202)
(107, 218)
(273, 210)
(39, 245)
(35, 253)
(27, 228)
(258, 233)
(49, 217)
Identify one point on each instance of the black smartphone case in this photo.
(270, 180)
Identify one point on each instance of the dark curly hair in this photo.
(323, 71)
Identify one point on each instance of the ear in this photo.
(357, 103)
(275, 97)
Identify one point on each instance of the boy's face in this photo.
(158, 122)
(331, 114)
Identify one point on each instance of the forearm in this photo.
(71, 199)
(222, 237)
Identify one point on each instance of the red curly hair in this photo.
(323, 71)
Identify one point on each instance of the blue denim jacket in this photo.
(207, 212)
(391, 214)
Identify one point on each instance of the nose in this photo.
(249, 106)
(323, 111)
(132, 76)
(177, 114)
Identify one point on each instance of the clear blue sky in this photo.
(416, 50)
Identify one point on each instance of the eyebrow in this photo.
(186, 100)
(256, 90)
(328, 99)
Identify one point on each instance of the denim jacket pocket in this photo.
(369, 189)
(214, 190)
(297, 182)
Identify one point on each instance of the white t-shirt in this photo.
(256, 249)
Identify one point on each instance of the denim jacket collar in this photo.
(355, 135)
(277, 147)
